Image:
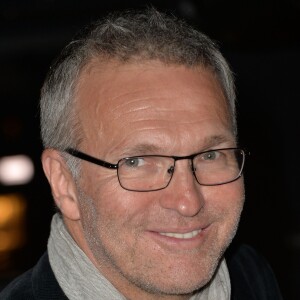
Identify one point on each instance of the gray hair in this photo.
(127, 36)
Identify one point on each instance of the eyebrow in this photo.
(216, 140)
(142, 149)
(206, 144)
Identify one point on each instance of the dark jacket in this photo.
(251, 279)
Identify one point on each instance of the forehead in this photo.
(128, 101)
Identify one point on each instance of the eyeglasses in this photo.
(154, 172)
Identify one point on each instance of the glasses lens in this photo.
(145, 173)
(150, 173)
(218, 166)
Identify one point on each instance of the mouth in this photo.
(187, 235)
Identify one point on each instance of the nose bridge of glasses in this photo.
(183, 169)
(190, 159)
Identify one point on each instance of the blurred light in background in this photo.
(12, 221)
(16, 170)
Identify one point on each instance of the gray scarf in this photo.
(80, 279)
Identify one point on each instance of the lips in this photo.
(187, 235)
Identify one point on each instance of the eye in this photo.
(211, 155)
(134, 162)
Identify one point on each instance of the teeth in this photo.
(187, 235)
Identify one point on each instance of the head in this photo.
(125, 37)
(142, 84)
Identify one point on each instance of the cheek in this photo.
(228, 204)
(117, 209)
(117, 227)
(228, 197)
(224, 204)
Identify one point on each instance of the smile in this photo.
(187, 235)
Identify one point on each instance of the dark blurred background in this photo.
(260, 39)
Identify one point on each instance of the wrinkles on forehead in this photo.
(116, 97)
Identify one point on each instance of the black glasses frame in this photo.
(108, 165)
(91, 159)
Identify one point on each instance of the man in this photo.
(138, 124)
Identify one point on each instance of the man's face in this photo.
(150, 108)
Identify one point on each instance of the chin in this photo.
(180, 280)
(174, 287)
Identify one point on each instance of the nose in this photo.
(183, 194)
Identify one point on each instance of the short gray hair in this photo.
(126, 36)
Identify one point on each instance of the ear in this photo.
(62, 183)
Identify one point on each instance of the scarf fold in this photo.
(80, 279)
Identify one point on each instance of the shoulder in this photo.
(19, 288)
(250, 274)
(37, 283)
